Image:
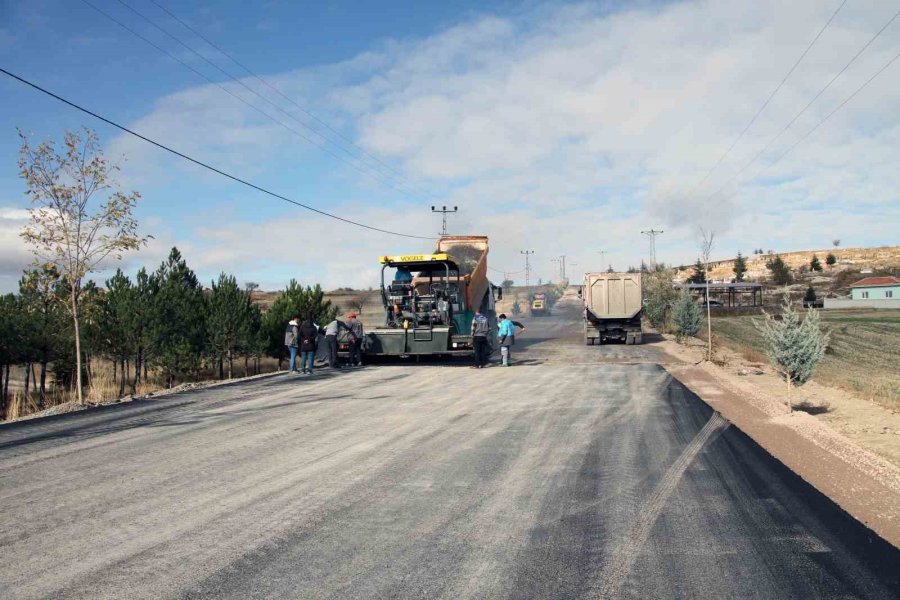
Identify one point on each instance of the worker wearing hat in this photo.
(356, 339)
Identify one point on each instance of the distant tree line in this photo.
(161, 324)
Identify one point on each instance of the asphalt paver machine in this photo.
(430, 300)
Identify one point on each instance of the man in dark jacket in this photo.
(291, 342)
(332, 331)
(309, 333)
(355, 337)
(480, 330)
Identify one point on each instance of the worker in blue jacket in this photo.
(507, 337)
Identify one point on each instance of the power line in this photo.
(837, 108)
(252, 91)
(827, 117)
(809, 104)
(277, 91)
(368, 171)
(772, 95)
(505, 272)
(203, 164)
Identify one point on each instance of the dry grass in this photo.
(863, 355)
(102, 388)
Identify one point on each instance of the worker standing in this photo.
(506, 335)
(332, 330)
(355, 329)
(309, 333)
(480, 330)
(291, 341)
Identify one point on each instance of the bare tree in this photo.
(71, 230)
(706, 245)
(250, 287)
(359, 300)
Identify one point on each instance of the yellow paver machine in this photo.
(431, 299)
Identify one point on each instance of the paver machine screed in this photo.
(431, 299)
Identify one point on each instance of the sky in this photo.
(559, 128)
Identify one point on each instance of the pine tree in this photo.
(781, 273)
(11, 340)
(740, 267)
(794, 347)
(814, 264)
(810, 296)
(831, 260)
(699, 274)
(145, 289)
(177, 324)
(47, 330)
(228, 320)
(687, 316)
(118, 323)
(294, 301)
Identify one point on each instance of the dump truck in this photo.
(613, 307)
(539, 305)
(430, 300)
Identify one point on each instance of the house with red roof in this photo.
(876, 288)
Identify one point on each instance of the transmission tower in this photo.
(444, 212)
(652, 233)
(527, 254)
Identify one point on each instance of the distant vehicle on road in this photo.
(712, 304)
(539, 305)
(613, 307)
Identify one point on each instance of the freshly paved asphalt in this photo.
(581, 472)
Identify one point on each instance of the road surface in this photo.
(581, 472)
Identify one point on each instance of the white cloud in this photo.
(568, 130)
(13, 254)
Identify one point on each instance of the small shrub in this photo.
(687, 316)
(660, 294)
(794, 347)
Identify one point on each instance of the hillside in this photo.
(850, 262)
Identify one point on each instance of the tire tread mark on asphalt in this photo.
(617, 570)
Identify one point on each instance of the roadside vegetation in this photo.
(794, 345)
(63, 335)
(158, 330)
(862, 355)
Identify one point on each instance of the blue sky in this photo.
(563, 128)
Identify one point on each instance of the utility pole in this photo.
(527, 254)
(562, 266)
(602, 253)
(444, 212)
(652, 233)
